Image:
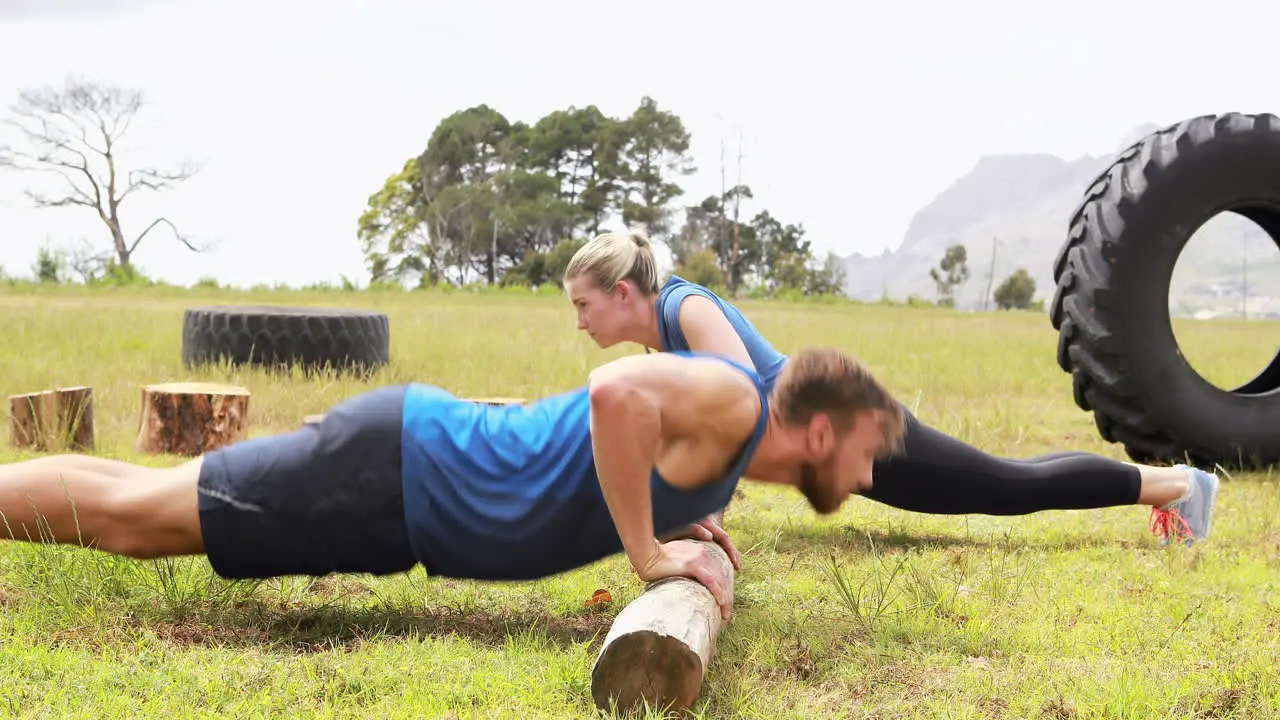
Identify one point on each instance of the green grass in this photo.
(873, 612)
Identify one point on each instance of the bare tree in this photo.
(75, 133)
(86, 260)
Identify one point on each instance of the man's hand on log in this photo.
(686, 559)
(710, 530)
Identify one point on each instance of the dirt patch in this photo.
(798, 663)
(1222, 703)
(1268, 542)
(1059, 709)
(336, 586)
(343, 629)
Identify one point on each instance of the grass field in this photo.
(873, 612)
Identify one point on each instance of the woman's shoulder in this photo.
(677, 288)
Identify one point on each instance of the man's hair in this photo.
(826, 380)
(609, 258)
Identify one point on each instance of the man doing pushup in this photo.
(411, 474)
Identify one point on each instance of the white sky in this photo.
(852, 119)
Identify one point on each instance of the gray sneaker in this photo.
(1189, 518)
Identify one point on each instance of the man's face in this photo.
(600, 314)
(845, 469)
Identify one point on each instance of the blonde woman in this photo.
(613, 284)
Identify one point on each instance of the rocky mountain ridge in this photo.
(1017, 207)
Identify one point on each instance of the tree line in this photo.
(489, 199)
(502, 201)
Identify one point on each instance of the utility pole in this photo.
(493, 254)
(724, 196)
(493, 243)
(737, 201)
(991, 276)
(1244, 276)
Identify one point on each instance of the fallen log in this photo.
(660, 646)
(53, 420)
(191, 418)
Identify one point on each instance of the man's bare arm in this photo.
(637, 402)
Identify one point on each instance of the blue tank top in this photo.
(511, 492)
(767, 360)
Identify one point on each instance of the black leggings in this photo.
(936, 473)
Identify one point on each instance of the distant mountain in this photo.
(1023, 203)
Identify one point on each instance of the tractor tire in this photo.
(273, 337)
(1111, 304)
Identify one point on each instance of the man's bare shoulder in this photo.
(717, 398)
(723, 376)
(688, 383)
(664, 367)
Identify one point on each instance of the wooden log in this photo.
(53, 420)
(659, 648)
(191, 418)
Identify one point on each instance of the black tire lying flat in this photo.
(1111, 303)
(275, 337)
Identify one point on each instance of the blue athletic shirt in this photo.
(511, 492)
(768, 361)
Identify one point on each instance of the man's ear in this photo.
(821, 436)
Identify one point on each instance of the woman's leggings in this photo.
(936, 473)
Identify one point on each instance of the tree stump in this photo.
(191, 418)
(661, 644)
(53, 420)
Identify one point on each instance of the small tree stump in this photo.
(661, 644)
(191, 418)
(52, 420)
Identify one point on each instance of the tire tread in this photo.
(1083, 309)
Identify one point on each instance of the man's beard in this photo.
(822, 499)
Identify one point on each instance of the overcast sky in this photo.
(852, 119)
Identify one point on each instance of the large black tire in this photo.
(1111, 303)
(277, 337)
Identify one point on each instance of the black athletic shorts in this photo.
(320, 499)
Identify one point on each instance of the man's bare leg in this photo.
(110, 505)
(87, 463)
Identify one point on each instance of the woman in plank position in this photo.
(613, 284)
(409, 474)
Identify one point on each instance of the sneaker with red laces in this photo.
(1189, 518)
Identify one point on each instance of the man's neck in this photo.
(773, 456)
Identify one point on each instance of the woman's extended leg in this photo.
(106, 504)
(936, 473)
